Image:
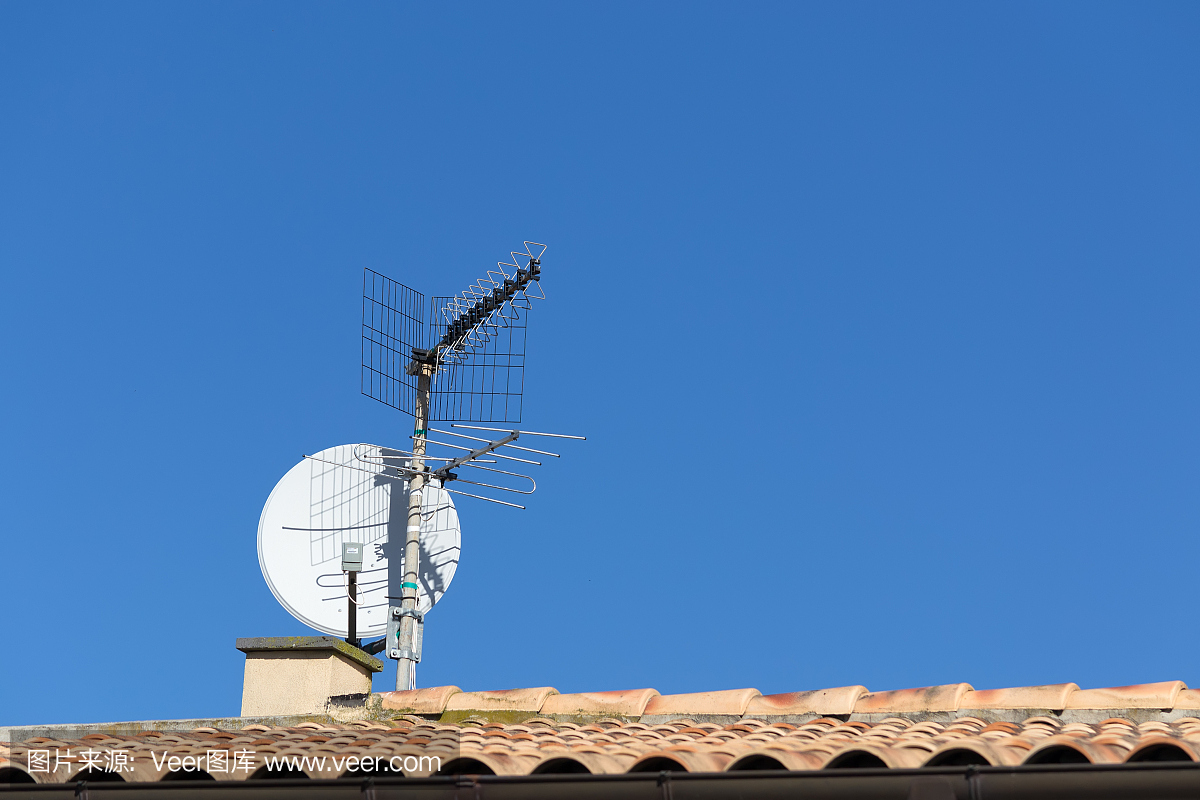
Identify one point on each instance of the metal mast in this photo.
(406, 663)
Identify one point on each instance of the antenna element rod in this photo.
(487, 448)
(527, 433)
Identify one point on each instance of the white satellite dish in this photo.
(339, 495)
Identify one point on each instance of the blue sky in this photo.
(880, 319)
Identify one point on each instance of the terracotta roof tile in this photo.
(732, 702)
(1143, 695)
(1062, 748)
(1153, 748)
(930, 698)
(868, 755)
(529, 700)
(823, 701)
(631, 703)
(420, 701)
(1053, 696)
(1188, 698)
(688, 761)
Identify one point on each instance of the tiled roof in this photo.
(524, 731)
(450, 704)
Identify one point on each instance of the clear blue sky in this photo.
(881, 320)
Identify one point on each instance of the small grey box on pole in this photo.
(352, 561)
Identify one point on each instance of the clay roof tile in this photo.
(630, 703)
(840, 700)
(530, 700)
(732, 702)
(1143, 695)
(930, 698)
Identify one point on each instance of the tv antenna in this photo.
(466, 366)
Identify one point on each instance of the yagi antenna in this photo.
(483, 310)
(466, 366)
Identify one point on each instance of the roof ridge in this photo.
(840, 701)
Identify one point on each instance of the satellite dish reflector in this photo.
(343, 494)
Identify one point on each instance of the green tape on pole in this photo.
(407, 585)
(420, 431)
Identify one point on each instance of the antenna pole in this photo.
(352, 609)
(406, 664)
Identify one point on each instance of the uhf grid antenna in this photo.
(467, 365)
(473, 348)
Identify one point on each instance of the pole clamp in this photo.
(398, 612)
(404, 652)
